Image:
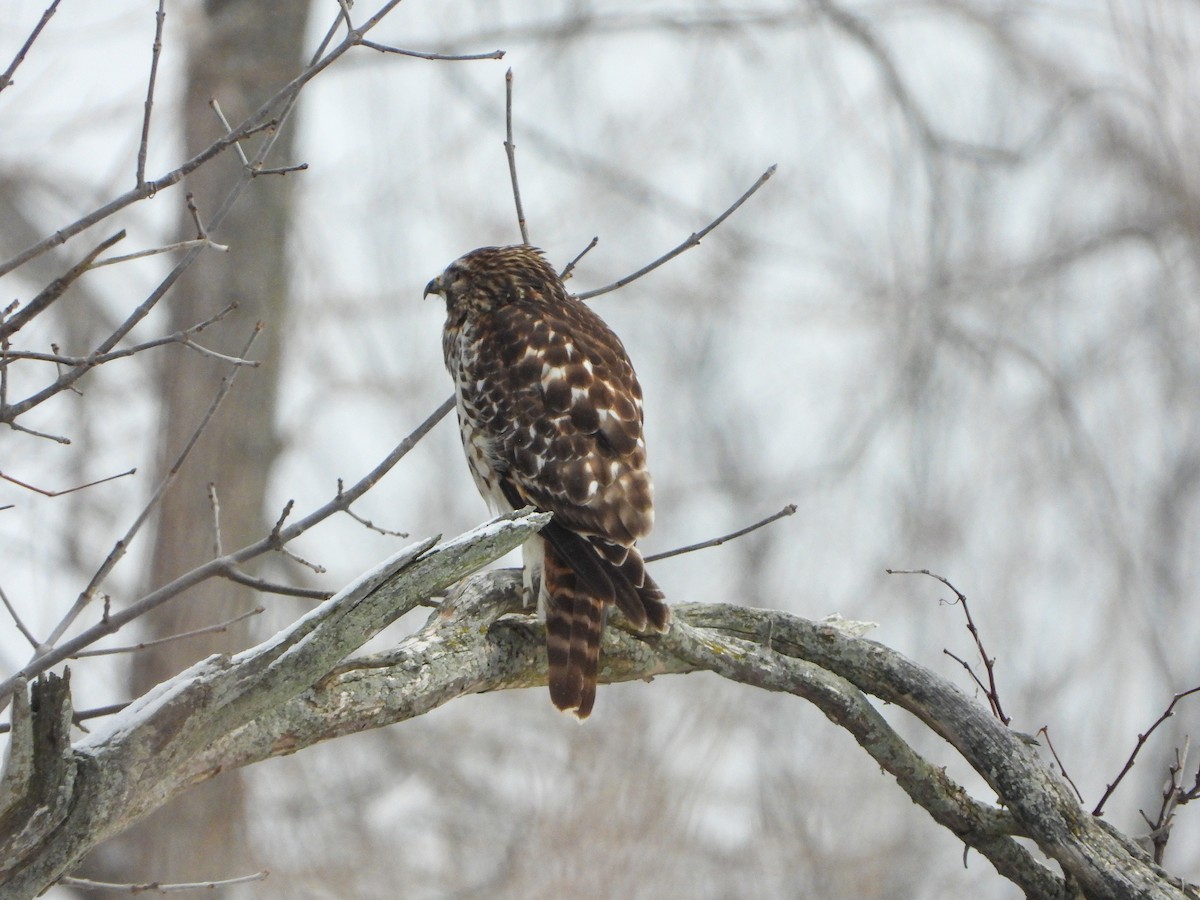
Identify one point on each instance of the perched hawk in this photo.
(550, 413)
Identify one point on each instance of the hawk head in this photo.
(491, 277)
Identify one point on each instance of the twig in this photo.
(82, 715)
(52, 657)
(88, 884)
(48, 493)
(215, 503)
(420, 54)
(216, 107)
(1137, 747)
(119, 549)
(252, 168)
(278, 527)
(788, 510)
(155, 251)
(149, 189)
(5, 344)
(570, 267)
(325, 42)
(233, 573)
(692, 240)
(297, 558)
(1045, 731)
(367, 522)
(190, 199)
(183, 635)
(179, 337)
(345, 7)
(155, 53)
(510, 150)
(1173, 796)
(6, 78)
(279, 170)
(232, 360)
(29, 636)
(966, 665)
(990, 690)
(281, 545)
(57, 438)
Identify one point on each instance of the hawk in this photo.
(550, 414)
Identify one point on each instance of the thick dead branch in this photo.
(294, 690)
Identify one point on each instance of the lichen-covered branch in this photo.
(79, 795)
(1103, 863)
(300, 688)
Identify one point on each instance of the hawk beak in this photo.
(434, 287)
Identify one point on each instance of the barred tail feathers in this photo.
(574, 622)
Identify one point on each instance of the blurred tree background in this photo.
(959, 328)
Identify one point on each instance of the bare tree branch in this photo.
(184, 635)
(788, 510)
(166, 248)
(990, 690)
(1174, 795)
(1044, 731)
(78, 717)
(153, 887)
(179, 337)
(422, 54)
(21, 627)
(693, 240)
(79, 487)
(510, 150)
(6, 78)
(270, 115)
(233, 573)
(570, 267)
(1141, 742)
(221, 565)
(122, 545)
(55, 289)
(156, 51)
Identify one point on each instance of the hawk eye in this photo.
(456, 281)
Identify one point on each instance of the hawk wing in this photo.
(572, 444)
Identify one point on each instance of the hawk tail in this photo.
(652, 605)
(614, 573)
(574, 621)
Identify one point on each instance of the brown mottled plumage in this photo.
(550, 412)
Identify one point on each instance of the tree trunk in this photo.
(248, 49)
